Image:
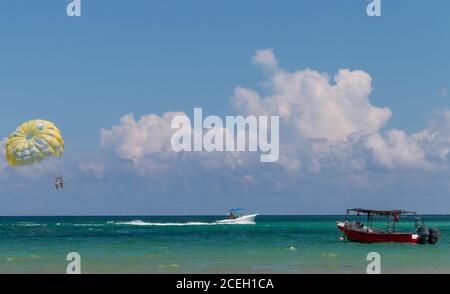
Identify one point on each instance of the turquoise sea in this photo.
(194, 244)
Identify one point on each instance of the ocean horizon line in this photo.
(188, 215)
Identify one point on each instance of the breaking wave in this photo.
(28, 224)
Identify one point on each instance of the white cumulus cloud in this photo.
(134, 140)
(266, 58)
(313, 106)
(328, 125)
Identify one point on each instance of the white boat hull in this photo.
(242, 220)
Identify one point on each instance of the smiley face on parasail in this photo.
(32, 142)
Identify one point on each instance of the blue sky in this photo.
(152, 57)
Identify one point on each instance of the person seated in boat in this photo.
(359, 225)
(233, 215)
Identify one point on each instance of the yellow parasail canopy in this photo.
(32, 142)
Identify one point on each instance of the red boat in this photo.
(358, 231)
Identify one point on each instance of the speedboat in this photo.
(358, 231)
(236, 216)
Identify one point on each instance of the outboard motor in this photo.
(434, 236)
(424, 234)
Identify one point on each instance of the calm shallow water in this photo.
(179, 244)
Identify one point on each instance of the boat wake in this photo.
(142, 223)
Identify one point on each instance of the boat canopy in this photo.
(381, 212)
(236, 209)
